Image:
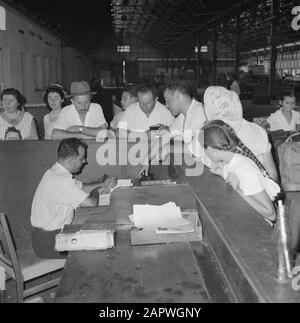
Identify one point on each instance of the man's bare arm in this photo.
(58, 134)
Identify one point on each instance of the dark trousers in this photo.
(43, 243)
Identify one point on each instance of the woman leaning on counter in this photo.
(13, 116)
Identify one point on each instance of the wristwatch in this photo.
(80, 129)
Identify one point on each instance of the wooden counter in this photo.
(239, 239)
(167, 273)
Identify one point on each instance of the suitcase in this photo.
(289, 163)
(292, 204)
(278, 137)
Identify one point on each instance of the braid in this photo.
(221, 135)
(245, 151)
(239, 148)
(233, 144)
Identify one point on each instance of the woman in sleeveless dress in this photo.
(13, 116)
(54, 98)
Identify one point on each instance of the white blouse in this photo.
(278, 121)
(24, 126)
(49, 125)
(250, 179)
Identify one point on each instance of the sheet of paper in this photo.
(104, 200)
(181, 229)
(124, 183)
(153, 216)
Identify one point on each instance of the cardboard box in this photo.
(148, 237)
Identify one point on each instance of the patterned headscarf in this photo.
(222, 104)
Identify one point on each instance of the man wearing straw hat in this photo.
(82, 119)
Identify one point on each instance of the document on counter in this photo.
(123, 183)
(104, 199)
(153, 216)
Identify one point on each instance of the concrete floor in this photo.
(45, 297)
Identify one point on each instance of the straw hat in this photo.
(80, 88)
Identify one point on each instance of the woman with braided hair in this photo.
(221, 104)
(241, 168)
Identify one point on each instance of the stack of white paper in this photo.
(152, 216)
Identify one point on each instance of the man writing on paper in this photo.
(58, 195)
(82, 119)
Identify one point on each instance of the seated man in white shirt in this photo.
(82, 119)
(147, 112)
(58, 195)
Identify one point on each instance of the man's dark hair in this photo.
(19, 97)
(132, 90)
(180, 86)
(69, 148)
(287, 93)
(12, 129)
(146, 88)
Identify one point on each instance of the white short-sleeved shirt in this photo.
(69, 117)
(55, 199)
(134, 119)
(114, 123)
(185, 128)
(278, 121)
(250, 178)
(255, 138)
(24, 126)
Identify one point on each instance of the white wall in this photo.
(31, 57)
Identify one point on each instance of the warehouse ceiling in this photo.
(172, 26)
(83, 23)
(175, 25)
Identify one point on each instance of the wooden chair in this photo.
(25, 266)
